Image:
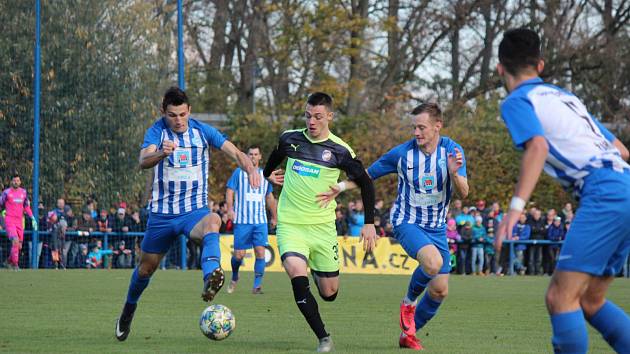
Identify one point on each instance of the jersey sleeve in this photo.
(153, 136)
(213, 136)
(386, 164)
(462, 170)
(521, 120)
(607, 134)
(351, 165)
(269, 189)
(232, 183)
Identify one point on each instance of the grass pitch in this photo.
(74, 311)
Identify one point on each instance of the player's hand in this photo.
(324, 198)
(504, 231)
(230, 215)
(34, 224)
(369, 237)
(168, 147)
(276, 177)
(455, 161)
(254, 178)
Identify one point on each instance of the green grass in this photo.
(74, 311)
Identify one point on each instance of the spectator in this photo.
(481, 208)
(380, 211)
(82, 257)
(104, 222)
(495, 213)
(135, 222)
(521, 232)
(464, 248)
(90, 207)
(478, 237)
(340, 222)
(567, 212)
(380, 230)
(535, 252)
(121, 221)
(227, 226)
(488, 251)
(456, 209)
(464, 217)
(452, 236)
(555, 233)
(122, 256)
(389, 229)
(60, 210)
(95, 257)
(356, 218)
(57, 239)
(86, 222)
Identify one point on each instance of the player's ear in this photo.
(500, 69)
(540, 66)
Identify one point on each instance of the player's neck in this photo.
(512, 82)
(430, 148)
(321, 136)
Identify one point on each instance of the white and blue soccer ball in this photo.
(217, 322)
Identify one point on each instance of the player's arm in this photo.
(277, 156)
(457, 171)
(229, 200)
(272, 206)
(151, 155)
(532, 164)
(243, 162)
(623, 150)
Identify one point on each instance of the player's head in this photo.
(519, 55)
(254, 154)
(427, 122)
(176, 109)
(318, 113)
(15, 181)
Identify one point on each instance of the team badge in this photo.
(326, 155)
(428, 182)
(442, 163)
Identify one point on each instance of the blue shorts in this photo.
(598, 241)
(412, 238)
(163, 229)
(247, 236)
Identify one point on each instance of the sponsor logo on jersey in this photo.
(428, 182)
(303, 170)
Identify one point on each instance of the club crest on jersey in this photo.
(442, 162)
(326, 155)
(428, 182)
(182, 157)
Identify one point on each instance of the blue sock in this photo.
(259, 271)
(236, 264)
(417, 283)
(426, 309)
(569, 332)
(614, 325)
(210, 254)
(136, 287)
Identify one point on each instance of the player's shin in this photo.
(136, 287)
(210, 254)
(308, 305)
(259, 271)
(236, 265)
(569, 332)
(418, 282)
(426, 309)
(613, 323)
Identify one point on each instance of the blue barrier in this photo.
(526, 242)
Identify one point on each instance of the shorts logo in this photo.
(326, 155)
(428, 182)
(303, 170)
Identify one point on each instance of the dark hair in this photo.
(320, 99)
(432, 109)
(15, 175)
(174, 96)
(254, 146)
(519, 49)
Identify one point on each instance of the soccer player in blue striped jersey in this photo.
(560, 136)
(429, 167)
(247, 208)
(177, 148)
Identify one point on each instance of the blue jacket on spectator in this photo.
(522, 231)
(555, 233)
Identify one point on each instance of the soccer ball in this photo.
(217, 322)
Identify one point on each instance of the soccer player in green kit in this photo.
(306, 232)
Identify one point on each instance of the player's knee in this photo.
(432, 266)
(438, 294)
(212, 223)
(591, 303)
(146, 269)
(329, 298)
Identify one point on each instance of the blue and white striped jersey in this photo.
(424, 183)
(578, 143)
(249, 203)
(180, 181)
